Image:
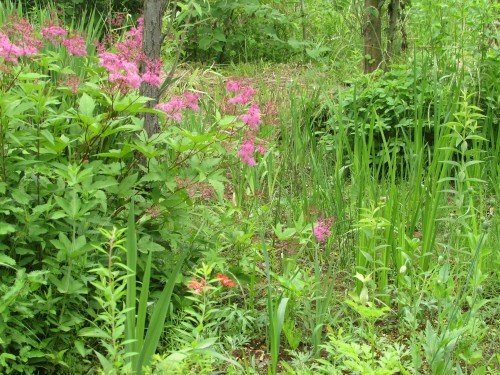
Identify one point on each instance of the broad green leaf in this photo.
(6, 228)
(86, 106)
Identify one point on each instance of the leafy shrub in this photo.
(73, 155)
(242, 29)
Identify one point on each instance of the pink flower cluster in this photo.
(123, 66)
(252, 118)
(123, 73)
(53, 33)
(247, 151)
(243, 93)
(321, 229)
(176, 104)
(21, 39)
(75, 45)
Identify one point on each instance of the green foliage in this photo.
(76, 8)
(344, 354)
(72, 159)
(99, 222)
(232, 30)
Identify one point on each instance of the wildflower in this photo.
(246, 152)
(75, 45)
(252, 117)
(191, 101)
(321, 229)
(117, 19)
(9, 51)
(261, 149)
(152, 74)
(72, 82)
(232, 86)
(53, 33)
(173, 107)
(243, 97)
(23, 34)
(121, 71)
(197, 286)
(225, 280)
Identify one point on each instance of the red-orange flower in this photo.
(197, 286)
(226, 281)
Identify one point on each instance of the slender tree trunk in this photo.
(393, 11)
(372, 34)
(402, 22)
(151, 46)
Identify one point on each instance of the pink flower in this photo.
(225, 280)
(246, 152)
(321, 229)
(191, 101)
(117, 19)
(9, 51)
(261, 149)
(243, 97)
(232, 86)
(152, 74)
(252, 117)
(121, 71)
(176, 104)
(172, 108)
(24, 36)
(75, 45)
(53, 33)
(197, 286)
(72, 82)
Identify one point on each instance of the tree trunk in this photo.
(151, 46)
(393, 11)
(372, 34)
(402, 21)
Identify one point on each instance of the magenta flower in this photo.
(176, 104)
(261, 149)
(252, 117)
(53, 33)
(321, 229)
(121, 71)
(153, 72)
(246, 152)
(75, 45)
(23, 35)
(191, 100)
(9, 51)
(243, 97)
(232, 86)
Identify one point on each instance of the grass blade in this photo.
(131, 245)
(160, 312)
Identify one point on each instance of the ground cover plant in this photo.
(292, 215)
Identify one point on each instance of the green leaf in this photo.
(86, 105)
(6, 228)
(21, 197)
(131, 246)
(157, 322)
(7, 261)
(94, 332)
